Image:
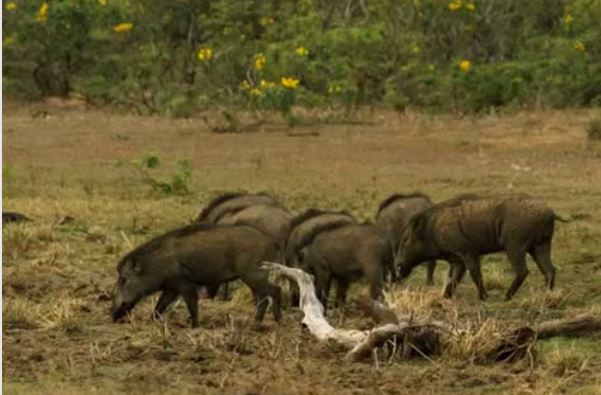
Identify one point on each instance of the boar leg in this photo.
(342, 285)
(431, 265)
(323, 283)
(188, 292)
(167, 297)
(261, 288)
(518, 263)
(456, 273)
(472, 263)
(294, 293)
(541, 253)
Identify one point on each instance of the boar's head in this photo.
(414, 246)
(133, 283)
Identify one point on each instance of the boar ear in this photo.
(136, 266)
(418, 224)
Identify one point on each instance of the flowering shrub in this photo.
(178, 57)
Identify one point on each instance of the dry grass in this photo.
(57, 274)
(18, 312)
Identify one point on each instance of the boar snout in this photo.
(120, 307)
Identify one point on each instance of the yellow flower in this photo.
(255, 92)
(455, 5)
(260, 61)
(42, 13)
(123, 27)
(265, 20)
(301, 51)
(204, 54)
(431, 67)
(568, 19)
(465, 66)
(470, 6)
(266, 84)
(334, 88)
(579, 46)
(102, 2)
(8, 40)
(10, 6)
(245, 85)
(290, 82)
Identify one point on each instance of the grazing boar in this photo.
(177, 262)
(462, 229)
(303, 228)
(272, 221)
(395, 212)
(260, 211)
(233, 202)
(347, 252)
(11, 216)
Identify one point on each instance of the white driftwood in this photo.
(314, 314)
(410, 328)
(360, 343)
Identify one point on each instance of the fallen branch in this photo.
(314, 318)
(418, 335)
(581, 325)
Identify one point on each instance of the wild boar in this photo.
(231, 203)
(272, 221)
(462, 229)
(303, 228)
(347, 252)
(11, 216)
(260, 211)
(395, 212)
(177, 262)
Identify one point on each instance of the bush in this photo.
(176, 58)
(177, 184)
(593, 129)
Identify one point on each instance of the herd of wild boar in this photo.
(235, 233)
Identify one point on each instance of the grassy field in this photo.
(61, 169)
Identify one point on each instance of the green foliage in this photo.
(180, 57)
(593, 129)
(178, 183)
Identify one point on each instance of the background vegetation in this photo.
(179, 57)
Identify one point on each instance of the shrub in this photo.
(593, 129)
(177, 58)
(177, 184)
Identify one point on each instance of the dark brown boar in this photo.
(272, 221)
(177, 262)
(303, 229)
(345, 253)
(462, 229)
(261, 211)
(233, 202)
(394, 214)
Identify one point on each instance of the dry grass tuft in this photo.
(476, 338)
(565, 361)
(19, 312)
(63, 315)
(495, 279)
(556, 299)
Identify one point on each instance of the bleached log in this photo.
(314, 318)
(360, 343)
(417, 332)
